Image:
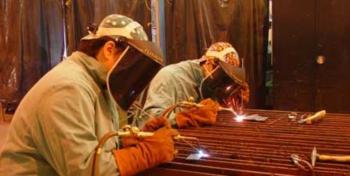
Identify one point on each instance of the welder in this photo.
(60, 121)
(215, 80)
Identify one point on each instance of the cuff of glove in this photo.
(125, 165)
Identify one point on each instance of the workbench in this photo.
(263, 148)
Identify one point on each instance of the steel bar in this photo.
(263, 148)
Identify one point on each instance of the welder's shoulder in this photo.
(175, 70)
(59, 84)
(68, 75)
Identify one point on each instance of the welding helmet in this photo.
(224, 82)
(227, 78)
(138, 63)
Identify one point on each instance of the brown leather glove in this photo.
(198, 116)
(245, 93)
(152, 124)
(155, 123)
(130, 141)
(150, 152)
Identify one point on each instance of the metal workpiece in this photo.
(263, 148)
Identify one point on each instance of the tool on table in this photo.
(252, 117)
(255, 117)
(313, 118)
(301, 163)
(337, 158)
(192, 104)
(292, 116)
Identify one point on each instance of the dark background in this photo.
(36, 35)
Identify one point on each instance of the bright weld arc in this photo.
(202, 154)
(239, 118)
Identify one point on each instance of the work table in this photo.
(263, 148)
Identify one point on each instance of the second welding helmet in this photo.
(137, 65)
(224, 82)
(227, 78)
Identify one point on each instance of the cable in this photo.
(98, 151)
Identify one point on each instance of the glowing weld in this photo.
(201, 153)
(240, 118)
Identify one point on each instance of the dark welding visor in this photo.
(225, 81)
(137, 65)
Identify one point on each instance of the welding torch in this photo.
(125, 132)
(188, 104)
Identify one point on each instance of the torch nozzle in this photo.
(179, 137)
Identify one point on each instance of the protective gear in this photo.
(117, 25)
(173, 84)
(224, 82)
(198, 116)
(178, 82)
(245, 92)
(155, 123)
(136, 67)
(152, 151)
(128, 141)
(58, 123)
(223, 51)
(138, 63)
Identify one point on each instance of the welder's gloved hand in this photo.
(245, 93)
(155, 123)
(128, 141)
(198, 116)
(150, 152)
(152, 124)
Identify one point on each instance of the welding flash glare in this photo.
(202, 154)
(239, 118)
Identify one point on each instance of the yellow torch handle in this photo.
(334, 158)
(317, 116)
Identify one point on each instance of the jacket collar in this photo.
(94, 68)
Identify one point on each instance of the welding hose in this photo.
(98, 151)
(167, 111)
